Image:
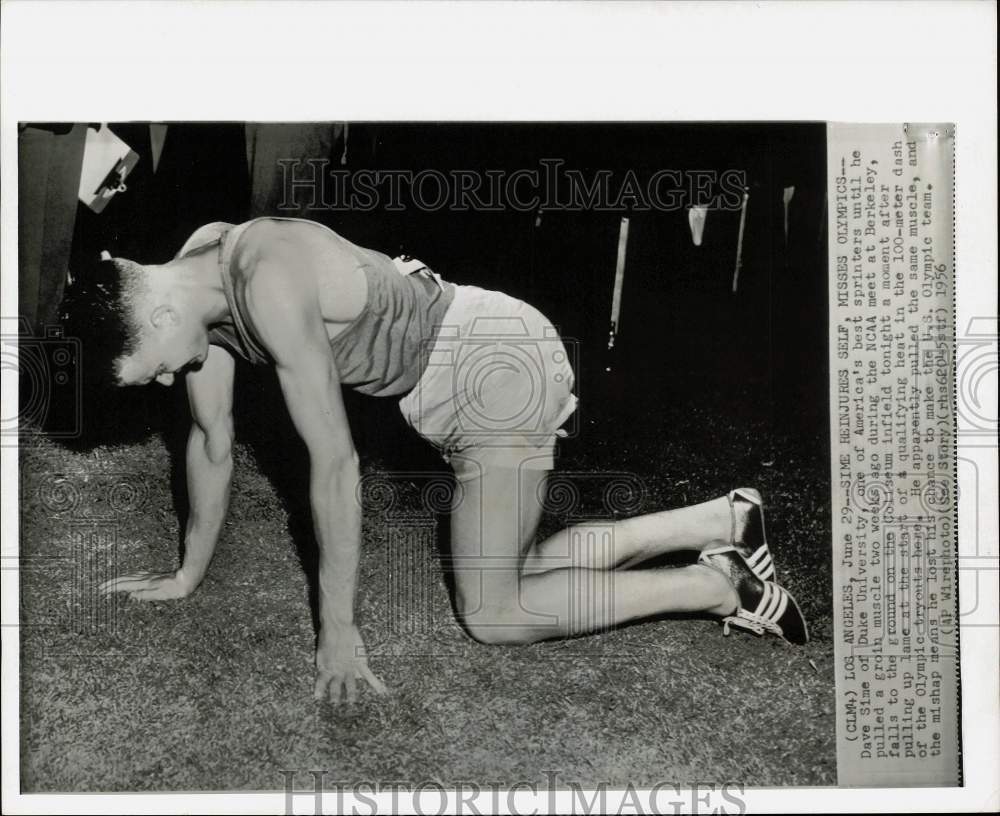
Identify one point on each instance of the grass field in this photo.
(213, 692)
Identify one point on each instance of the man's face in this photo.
(167, 344)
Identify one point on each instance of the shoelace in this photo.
(754, 623)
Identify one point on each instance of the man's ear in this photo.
(164, 316)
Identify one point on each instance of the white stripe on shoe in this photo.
(763, 567)
(761, 563)
(769, 603)
(773, 603)
(782, 606)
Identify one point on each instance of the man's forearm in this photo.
(337, 517)
(209, 476)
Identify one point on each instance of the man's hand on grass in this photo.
(150, 586)
(340, 661)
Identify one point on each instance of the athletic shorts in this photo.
(497, 387)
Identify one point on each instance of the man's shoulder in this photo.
(264, 248)
(272, 275)
(287, 241)
(204, 236)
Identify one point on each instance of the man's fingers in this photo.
(337, 686)
(328, 686)
(372, 680)
(322, 681)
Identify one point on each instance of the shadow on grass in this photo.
(107, 416)
(382, 439)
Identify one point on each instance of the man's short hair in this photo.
(99, 309)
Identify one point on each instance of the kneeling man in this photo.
(325, 313)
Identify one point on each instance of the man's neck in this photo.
(199, 280)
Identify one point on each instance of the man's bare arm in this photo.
(312, 391)
(209, 475)
(285, 311)
(209, 460)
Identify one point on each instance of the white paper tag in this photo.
(107, 161)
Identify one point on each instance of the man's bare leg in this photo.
(492, 531)
(622, 542)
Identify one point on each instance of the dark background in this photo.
(684, 333)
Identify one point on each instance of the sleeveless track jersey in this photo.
(383, 352)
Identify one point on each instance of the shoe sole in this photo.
(805, 625)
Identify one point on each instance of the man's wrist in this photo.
(187, 580)
(336, 625)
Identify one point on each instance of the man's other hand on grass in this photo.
(150, 586)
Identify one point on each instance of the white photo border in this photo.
(765, 61)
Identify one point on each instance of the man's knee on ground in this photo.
(496, 633)
(496, 624)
